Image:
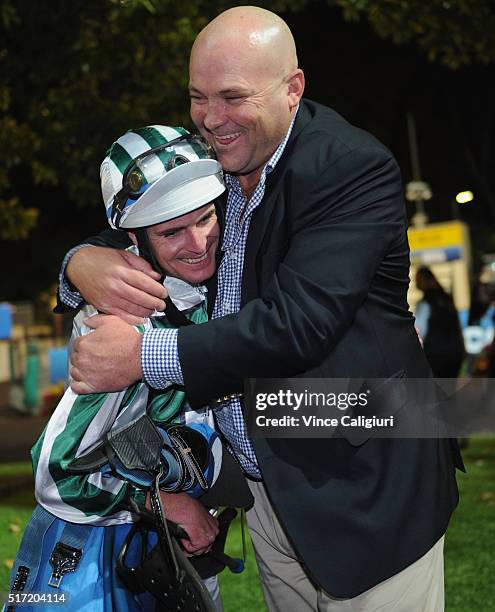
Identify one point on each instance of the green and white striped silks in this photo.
(77, 426)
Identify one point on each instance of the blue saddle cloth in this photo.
(94, 586)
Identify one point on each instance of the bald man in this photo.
(312, 282)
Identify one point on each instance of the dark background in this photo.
(370, 81)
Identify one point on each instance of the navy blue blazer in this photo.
(324, 294)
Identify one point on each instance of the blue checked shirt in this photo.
(159, 354)
(67, 296)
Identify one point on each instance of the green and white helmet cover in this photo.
(167, 184)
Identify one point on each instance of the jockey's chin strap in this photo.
(173, 314)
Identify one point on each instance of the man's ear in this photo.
(296, 84)
(133, 238)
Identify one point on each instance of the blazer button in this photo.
(226, 398)
(220, 400)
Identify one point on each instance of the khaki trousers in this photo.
(286, 587)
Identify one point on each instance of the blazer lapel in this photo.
(260, 221)
(211, 283)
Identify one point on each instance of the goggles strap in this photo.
(146, 251)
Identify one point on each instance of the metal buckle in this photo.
(64, 559)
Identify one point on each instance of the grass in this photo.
(470, 541)
(469, 545)
(13, 470)
(15, 511)
(241, 591)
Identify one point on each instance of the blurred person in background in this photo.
(438, 325)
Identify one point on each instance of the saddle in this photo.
(171, 458)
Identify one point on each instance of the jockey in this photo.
(159, 184)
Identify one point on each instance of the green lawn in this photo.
(470, 541)
(469, 547)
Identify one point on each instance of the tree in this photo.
(453, 32)
(75, 76)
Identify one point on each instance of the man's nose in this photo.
(196, 241)
(215, 114)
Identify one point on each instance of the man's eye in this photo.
(207, 219)
(170, 234)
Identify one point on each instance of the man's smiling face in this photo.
(241, 107)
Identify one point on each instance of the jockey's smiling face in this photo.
(185, 247)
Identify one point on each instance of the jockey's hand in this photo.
(194, 519)
(117, 282)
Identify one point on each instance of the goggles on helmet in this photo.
(151, 165)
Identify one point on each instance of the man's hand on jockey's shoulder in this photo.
(108, 358)
(117, 282)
